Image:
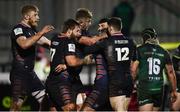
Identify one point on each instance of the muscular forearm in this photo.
(97, 38)
(32, 40)
(90, 40)
(77, 62)
(86, 40)
(73, 61)
(172, 79)
(171, 76)
(44, 41)
(134, 67)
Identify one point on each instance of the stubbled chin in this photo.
(34, 24)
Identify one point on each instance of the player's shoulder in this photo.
(140, 46)
(18, 29)
(58, 37)
(162, 49)
(19, 26)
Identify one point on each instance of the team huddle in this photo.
(119, 64)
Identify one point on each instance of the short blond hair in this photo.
(27, 8)
(83, 13)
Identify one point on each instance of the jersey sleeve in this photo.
(96, 48)
(70, 48)
(18, 31)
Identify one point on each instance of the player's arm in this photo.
(172, 79)
(25, 43)
(135, 62)
(70, 55)
(73, 60)
(134, 68)
(44, 41)
(95, 48)
(60, 67)
(90, 40)
(171, 76)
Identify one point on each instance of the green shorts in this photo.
(147, 97)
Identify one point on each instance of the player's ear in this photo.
(26, 16)
(110, 28)
(69, 31)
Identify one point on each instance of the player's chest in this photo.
(29, 32)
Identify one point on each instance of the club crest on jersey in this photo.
(18, 31)
(55, 43)
(71, 47)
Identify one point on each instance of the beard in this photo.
(105, 30)
(33, 23)
(74, 37)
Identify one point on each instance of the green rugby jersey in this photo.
(152, 60)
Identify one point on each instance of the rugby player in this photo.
(24, 38)
(64, 86)
(92, 102)
(99, 95)
(118, 52)
(151, 61)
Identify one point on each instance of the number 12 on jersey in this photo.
(124, 51)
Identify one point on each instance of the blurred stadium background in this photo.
(163, 15)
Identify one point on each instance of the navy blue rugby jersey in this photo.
(25, 57)
(118, 52)
(61, 46)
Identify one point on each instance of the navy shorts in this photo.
(62, 89)
(119, 88)
(24, 82)
(99, 95)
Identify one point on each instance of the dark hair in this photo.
(103, 20)
(69, 24)
(148, 33)
(115, 22)
(83, 13)
(27, 8)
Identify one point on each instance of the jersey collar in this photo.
(62, 36)
(25, 25)
(117, 34)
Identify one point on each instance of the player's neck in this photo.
(65, 35)
(24, 22)
(116, 33)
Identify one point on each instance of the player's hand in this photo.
(88, 59)
(47, 29)
(93, 41)
(60, 68)
(173, 96)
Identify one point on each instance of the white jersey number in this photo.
(52, 52)
(121, 57)
(154, 67)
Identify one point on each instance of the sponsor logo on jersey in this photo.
(71, 47)
(18, 31)
(55, 43)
